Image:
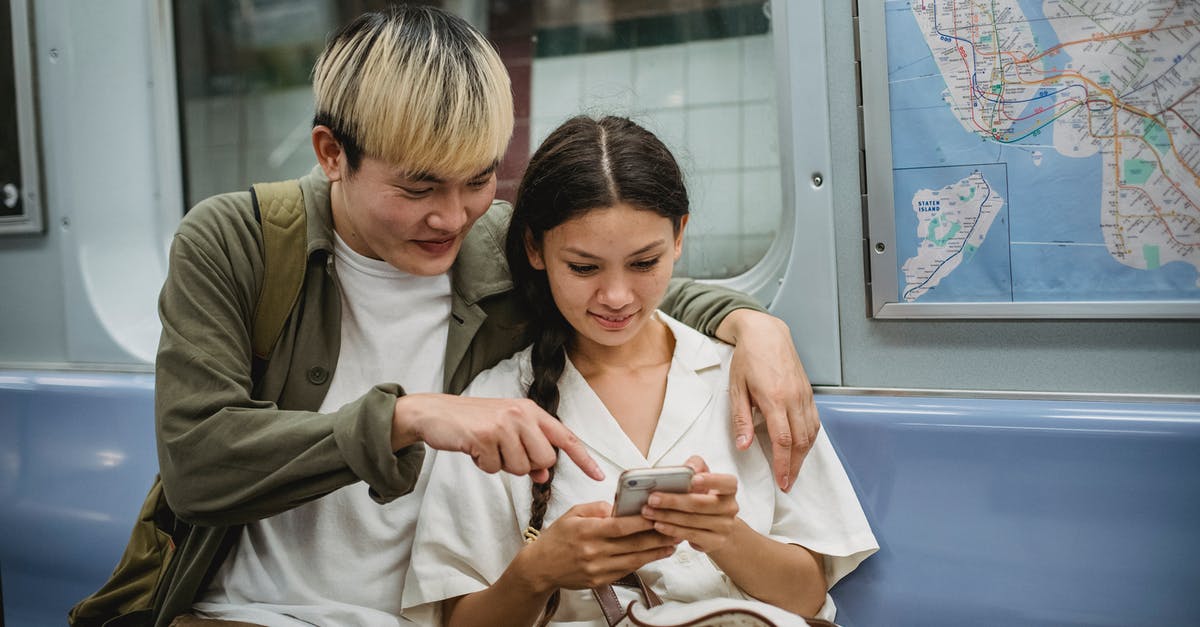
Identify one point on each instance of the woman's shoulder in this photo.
(695, 348)
(508, 379)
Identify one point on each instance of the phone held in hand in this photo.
(635, 485)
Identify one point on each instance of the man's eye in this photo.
(645, 264)
(480, 184)
(578, 268)
(416, 191)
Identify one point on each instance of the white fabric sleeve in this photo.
(466, 533)
(822, 512)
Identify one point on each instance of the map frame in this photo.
(880, 240)
(21, 212)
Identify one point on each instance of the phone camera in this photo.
(632, 483)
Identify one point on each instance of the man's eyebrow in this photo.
(426, 177)
(487, 171)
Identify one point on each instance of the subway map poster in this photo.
(1045, 150)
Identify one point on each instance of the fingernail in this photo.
(742, 441)
(654, 500)
(647, 512)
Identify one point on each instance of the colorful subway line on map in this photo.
(1117, 81)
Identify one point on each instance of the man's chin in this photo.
(420, 262)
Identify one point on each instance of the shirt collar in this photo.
(687, 400)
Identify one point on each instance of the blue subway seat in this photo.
(988, 511)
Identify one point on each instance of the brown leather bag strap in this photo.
(611, 606)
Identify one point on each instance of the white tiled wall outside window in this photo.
(712, 102)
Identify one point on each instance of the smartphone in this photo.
(634, 486)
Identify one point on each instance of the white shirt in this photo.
(470, 523)
(341, 560)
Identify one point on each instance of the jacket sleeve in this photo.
(225, 457)
(703, 306)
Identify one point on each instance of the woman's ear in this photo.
(329, 152)
(679, 237)
(533, 253)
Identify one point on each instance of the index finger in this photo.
(621, 526)
(560, 436)
(715, 483)
(780, 429)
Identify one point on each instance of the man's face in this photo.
(415, 222)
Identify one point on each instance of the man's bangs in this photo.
(451, 117)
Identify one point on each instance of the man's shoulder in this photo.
(220, 216)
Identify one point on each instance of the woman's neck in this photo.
(630, 379)
(650, 348)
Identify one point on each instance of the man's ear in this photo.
(679, 237)
(329, 151)
(532, 253)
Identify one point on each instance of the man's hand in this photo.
(766, 373)
(513, 435)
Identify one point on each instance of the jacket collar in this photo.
(478, 272)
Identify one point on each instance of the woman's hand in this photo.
(766, 373)
(706, 517)
(586, 548)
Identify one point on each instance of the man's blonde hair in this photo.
(417, 87)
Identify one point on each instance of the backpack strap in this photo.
(280, 210)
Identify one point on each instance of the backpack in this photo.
(127, 598)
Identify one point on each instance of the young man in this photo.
(292, 471)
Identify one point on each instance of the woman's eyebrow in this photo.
(640, 251)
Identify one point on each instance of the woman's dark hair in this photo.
(583, 165)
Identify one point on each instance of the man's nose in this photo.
(451, 214)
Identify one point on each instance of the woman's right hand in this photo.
(586, 547)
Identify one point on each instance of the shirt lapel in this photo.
(688, 394)
(687, 399)
(586, 416)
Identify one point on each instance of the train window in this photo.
(698, 72)
(20, 210)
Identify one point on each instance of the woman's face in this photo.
(608, 270)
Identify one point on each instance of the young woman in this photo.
(597, 225)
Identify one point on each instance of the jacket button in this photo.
(317, 375)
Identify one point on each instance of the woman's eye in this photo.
(579, 268)
(645, 264)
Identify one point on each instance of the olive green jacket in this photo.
(241, 440)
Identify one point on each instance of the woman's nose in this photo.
(615, 292)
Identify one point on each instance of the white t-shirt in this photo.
(341, 560)
(470, 523)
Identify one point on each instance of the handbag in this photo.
(707, 613)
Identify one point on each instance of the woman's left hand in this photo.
(706, 517)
